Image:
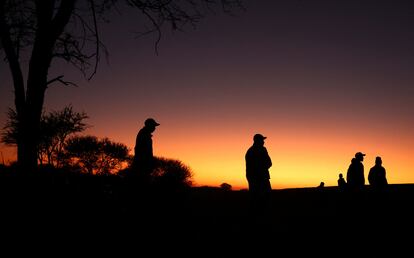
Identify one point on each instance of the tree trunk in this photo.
(29, 104)
(29, 114)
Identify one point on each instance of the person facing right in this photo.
(143, 161)
(355, 174)
(258, 163)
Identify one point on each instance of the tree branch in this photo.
(12, 59)
(59, 79)
(96, 35)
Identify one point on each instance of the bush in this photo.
(171, 173)
(96, 156)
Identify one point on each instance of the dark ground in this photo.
(89, 216)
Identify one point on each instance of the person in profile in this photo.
(258, 163)
(377, 175)
(143, 162)
(341, 182)
(355, 174)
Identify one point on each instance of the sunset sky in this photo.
(321, 79)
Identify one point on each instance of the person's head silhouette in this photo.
(359, 156)
(151, 124)
(258, 139)
(378, 161)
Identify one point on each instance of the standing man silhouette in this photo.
(258, 163)
(377, 175)
(355, 175)
(143, 162)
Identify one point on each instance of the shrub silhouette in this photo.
(96, 156)
(171, 173)
(55, 128)
(225, 187)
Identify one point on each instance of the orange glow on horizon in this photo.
(301, 158)
(320, 83)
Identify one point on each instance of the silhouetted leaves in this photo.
(10, 130)
(171, 173)
(96, 156)
(55, 127)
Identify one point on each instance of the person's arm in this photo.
(268, 159)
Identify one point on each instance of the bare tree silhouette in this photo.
(69, 30)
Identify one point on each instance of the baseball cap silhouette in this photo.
(359, 154)
(151, 121)
(258, 136)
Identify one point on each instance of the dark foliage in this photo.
(171, 173)
(96, 156)
(9, 133)
(55, 128)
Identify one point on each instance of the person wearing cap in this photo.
(355, 174)
(258, 163)
(144, 159)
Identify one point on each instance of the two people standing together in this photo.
(355, 174)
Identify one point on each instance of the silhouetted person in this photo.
(321, 185)
(258, 163)
(341, 182)
(377, 175)
(143, 162)
(355, 175)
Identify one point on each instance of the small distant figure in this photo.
(258, 163)
(377, 175)
(341, 182)
(355, 174)
(143, 162)
(321, 185)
